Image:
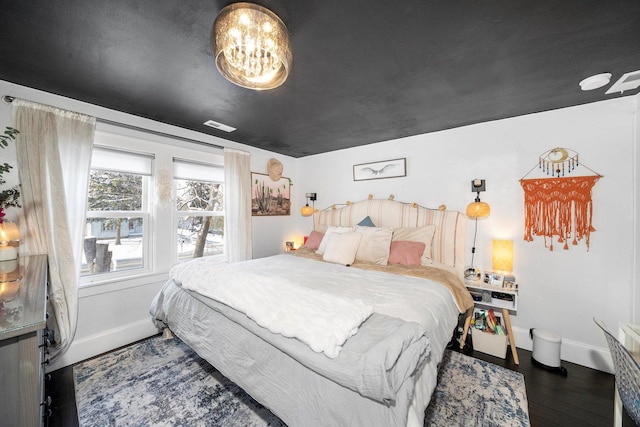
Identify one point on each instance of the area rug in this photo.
(159, 382)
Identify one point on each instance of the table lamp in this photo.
(502, 259)
(8, 233)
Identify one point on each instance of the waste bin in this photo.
(546, 350)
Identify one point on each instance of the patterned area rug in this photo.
(159, 382)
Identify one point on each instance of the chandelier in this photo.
(251, 46)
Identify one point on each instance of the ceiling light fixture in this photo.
(251, 46)
(595, 82)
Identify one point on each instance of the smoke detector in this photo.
(595, 82)
(628, 81)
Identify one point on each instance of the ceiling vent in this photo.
(628, 81)
(219, 126)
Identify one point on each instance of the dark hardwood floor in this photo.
(583, 398)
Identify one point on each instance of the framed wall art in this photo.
(268, 197)
(379, 170)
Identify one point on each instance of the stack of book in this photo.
(488, 321)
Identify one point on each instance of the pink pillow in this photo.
(313, 242)
(406, 252)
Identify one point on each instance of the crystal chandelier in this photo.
(251, 46)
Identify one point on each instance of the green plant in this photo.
(263, 197)
(10, 196)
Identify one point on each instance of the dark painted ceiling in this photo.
(363, 71)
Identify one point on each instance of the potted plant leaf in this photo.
(9, 197)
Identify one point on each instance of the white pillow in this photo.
(417, 234)
(329, 232)
(342, 248)
(375, 244)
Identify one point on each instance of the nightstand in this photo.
(496, 298)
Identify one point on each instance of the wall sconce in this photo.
(306, 209)
(476, 210)
(8, 233)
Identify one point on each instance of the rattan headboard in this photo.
(451, 226)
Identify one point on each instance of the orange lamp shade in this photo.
(306, 210)
(502, 255)
(478, 210)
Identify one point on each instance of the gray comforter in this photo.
(376, 362)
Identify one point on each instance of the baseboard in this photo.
(572, 351)
(94, 345)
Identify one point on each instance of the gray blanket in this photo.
(377, 362)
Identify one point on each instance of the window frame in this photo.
(143, 212)
(188, 213)
(160, 226)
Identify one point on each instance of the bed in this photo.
(387, 325)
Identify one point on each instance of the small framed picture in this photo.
(510, 285)
(379, 170)
(493, 279)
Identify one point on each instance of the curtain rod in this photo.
(8, 99)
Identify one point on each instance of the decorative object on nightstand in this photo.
(476, 210)
(306, 209)
(8, 234)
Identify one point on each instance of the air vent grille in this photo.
(219, 126)
(628, 81)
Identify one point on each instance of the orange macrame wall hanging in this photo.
(559, 206)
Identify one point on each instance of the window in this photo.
(152, 202)
(115, 235)
(199, 191)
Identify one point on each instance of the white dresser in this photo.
(23, 341)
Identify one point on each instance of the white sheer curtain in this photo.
(54, 156)
(237, 205)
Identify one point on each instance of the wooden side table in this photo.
(504, 306)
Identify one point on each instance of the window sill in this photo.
(115, 284)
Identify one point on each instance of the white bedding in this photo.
(322, 320)
(398, 296)
(412, 299)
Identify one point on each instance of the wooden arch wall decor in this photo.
(559, 206)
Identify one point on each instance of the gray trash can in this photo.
(546, 350)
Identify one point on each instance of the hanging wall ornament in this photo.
(558, 161)
(559, 206)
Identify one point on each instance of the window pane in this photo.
(199, 196)
(114, 191)
(112, 244)
(200, 236)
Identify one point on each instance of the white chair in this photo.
(627, 373)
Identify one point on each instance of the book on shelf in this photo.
(488, 321)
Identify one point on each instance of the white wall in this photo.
(114, 314)
(561, 290)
